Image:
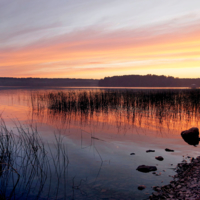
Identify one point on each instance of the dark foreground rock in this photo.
(169, 150)
(149, 151)
(160, 158)
(185, 186)
(191, 136)
(146, 168)
(141, 187)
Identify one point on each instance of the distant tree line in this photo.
(40, 82)
(147, 81)
(115, 81)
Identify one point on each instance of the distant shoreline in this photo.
(93, 87)
(127, 81)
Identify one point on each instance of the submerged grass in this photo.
(27, 167)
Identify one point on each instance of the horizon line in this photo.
(28, 77)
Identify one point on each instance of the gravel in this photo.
(185, 186)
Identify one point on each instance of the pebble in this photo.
(169, 150)
(146, 168)
(141, 187)
(185, 184)
(160, 158)
(148, 151)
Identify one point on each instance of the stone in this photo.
(132, 154)
(191, 136)
(186, 186)
(169, 150)
(194, 185)
(156, 188)
(148, 151)
(198, 157)
(146, 168)
(155, 194)
(160, 158)
(141, 187)
(179, 186)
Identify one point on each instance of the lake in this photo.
(87, 136)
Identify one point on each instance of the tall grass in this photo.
(159, 110)
(163, 103)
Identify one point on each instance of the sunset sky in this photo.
(98, 38)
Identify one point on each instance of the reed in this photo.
(152, 109)
(176, 101)
(27, 165)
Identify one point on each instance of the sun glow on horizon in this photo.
(170, 46)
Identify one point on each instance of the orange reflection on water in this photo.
(163, 119)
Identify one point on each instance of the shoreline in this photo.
(185, 186)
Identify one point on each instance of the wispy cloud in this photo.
(59, 40)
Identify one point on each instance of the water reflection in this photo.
(154, 110)
(100, 128)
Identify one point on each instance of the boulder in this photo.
(146, 168)
(191, 136)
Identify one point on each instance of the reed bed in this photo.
(174, 101)
(157, 110)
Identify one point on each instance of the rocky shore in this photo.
(185, 186)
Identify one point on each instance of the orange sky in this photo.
(164, 48)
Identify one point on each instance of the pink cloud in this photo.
(99, 46)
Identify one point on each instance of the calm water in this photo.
(99, 129)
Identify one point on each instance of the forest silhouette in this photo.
(115, 81)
